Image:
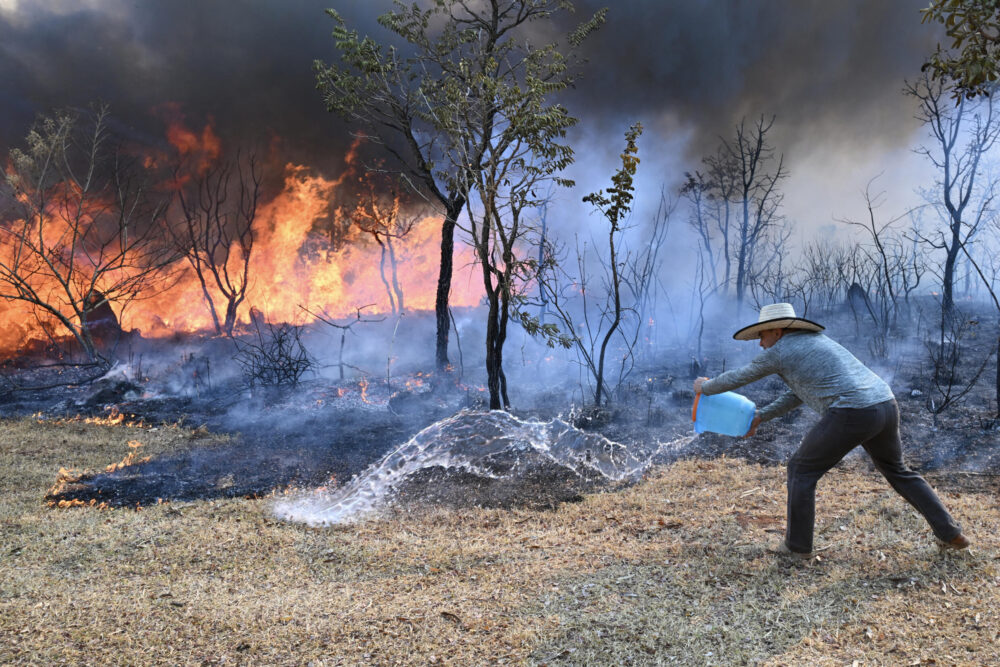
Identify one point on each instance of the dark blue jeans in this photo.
(839, 430)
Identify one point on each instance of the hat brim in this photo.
(753, 331)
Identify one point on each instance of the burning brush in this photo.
(70, 481)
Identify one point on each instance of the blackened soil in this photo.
(279, 440)
(310, 447)
(251, 466)
(306, 437)
(535, 484)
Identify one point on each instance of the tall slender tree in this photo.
(521, 155)
(756, 196)
(615, 203)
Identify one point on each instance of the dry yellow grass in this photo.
(672, 571)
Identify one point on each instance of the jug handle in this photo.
(694, 408)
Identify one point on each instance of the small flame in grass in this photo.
(115, 418)
(130, 458)
(76, 502)
(65, 476)
(69, 476)
(364, 390)
(323, 488)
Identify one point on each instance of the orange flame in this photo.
(114, 418)
(130, 459)
(292, 266)
(202, 149)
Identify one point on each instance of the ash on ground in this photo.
(327, 430)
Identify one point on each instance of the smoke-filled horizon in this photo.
(831, 73)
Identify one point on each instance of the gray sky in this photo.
(832, 73)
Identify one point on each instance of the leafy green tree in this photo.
(972, 63)
(432, 102)
(520, 153)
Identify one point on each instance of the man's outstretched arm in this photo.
(764, 364)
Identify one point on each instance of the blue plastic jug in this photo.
(727, 413)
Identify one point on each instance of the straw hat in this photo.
(776, 316)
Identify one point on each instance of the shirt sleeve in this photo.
(779, 406)
(764, 364)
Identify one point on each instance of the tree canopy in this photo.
(971, 62)
(434, 101)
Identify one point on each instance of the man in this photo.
(856, 407)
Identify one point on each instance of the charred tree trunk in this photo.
(741, 272)
(207, 294)
(948, 278)
(495, 381)
(232, 308)
(725, 249)
(444, 281)
(496, 282)
(497, 276)
(501, 339)
(101, 329)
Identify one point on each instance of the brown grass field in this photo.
(674, 570)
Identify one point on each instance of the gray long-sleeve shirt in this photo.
(818, 372)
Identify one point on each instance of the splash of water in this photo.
(468, 441)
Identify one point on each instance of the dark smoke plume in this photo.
(827, 69)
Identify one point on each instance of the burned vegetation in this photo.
(329, 327)
(254, 321)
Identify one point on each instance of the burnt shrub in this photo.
(273, 356)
